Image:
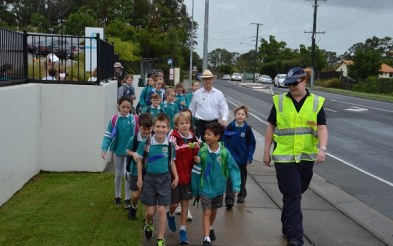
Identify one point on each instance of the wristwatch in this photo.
(323, 148)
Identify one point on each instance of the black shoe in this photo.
(132, 213)
(240, 200)
(212, 235)
(229, 203)
(229, 207)
(294, 243)
(206, 243)
(127, 203)
(117, 201)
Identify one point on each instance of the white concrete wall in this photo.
(20, 134)
(53, 128)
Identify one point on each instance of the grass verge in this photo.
(377, 97)
(68, 209)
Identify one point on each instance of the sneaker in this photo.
(240, 199)
(132, 213)
(161, 242)
(189, 216)
(117, 201)
(212, 235)
(127, 204)
(149, 229)
(171, 221)
(206, 243)
(183, 237)
(178, 210)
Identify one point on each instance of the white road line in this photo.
(384, 110)
(332, 156)
(331, 110)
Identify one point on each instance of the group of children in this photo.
(167, 165)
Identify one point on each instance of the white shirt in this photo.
(209, 105)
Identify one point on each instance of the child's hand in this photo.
(103, 155)
(183, 104)
(197, 159)
(139, 183)
(135, 156)
(175, 182)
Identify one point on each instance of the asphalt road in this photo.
(360, 149)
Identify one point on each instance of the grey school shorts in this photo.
(156, 189)
(211, 203)
(133, 182)
(181, 193)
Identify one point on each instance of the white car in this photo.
(236, 76)
(265, 79)
(279, 80)
(226, 77)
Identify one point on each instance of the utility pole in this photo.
(205, 36)
(314, 33)
(191, 42)
(256, 51)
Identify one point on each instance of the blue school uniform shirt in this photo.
(171, 109)
(181, 98)
(189, 98)
(125, 128)
(130, 146)
(144, 94)
(157, 159)
(153, 111)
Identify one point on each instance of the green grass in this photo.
(378, 97)
(68, 209)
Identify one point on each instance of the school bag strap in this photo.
(146, 153)
(115, 117)
(203, 151)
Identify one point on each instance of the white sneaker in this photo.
(189, 216)
(178, 210)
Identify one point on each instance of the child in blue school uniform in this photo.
(155, 167)
(181, 99)
(121, 128)
(169, 106)
(194, 88)
(155, 108)
(145, 123)
(215, 165)
(239, 139)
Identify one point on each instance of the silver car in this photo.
(265, 79)
(236, 76)
(226, 77)
(279, 80)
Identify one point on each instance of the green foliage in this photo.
(329, 83)
(127, 50)
(375, 85)
(366, 63)
(39, 23)
(67, 209)
(76, 22)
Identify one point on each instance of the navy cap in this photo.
(294, 74)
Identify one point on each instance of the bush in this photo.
(375, 85)
(329, 83)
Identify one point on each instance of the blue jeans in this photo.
(293, 179)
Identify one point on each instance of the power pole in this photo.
(205, 37)
(256, 51)
(191, 42)
(314, 33)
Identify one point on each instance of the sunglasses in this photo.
(296, 83)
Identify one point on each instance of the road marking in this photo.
(332, 156)
(356, 109)
(358, 105)
(331, 110)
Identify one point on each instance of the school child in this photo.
(155, 164)
(145, 93)
(239, 139)
(215, 165)
(181, 99)
(127, 88)
(159, 83)
(187, 148)
(155, 108)
(169, 106)
(145, 123)
(194, 88)
(192, 127)
(121, 128)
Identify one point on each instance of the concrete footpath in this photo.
(330, 216)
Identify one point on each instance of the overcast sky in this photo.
(345, 22)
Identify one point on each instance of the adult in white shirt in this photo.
(208, 105)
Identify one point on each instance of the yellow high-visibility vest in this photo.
(296, 132)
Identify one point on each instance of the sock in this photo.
(169, 212)
(207, 239)
(136, 207)
(211, 227)
(182, 227)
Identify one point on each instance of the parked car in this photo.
(226, 77)
(236, 77)
(279, 80)
(265, 79)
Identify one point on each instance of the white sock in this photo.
(182, 227)
(211, 227)
(207, 239)
(169, 212)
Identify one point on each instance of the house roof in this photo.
(386, 68)
(347, 62)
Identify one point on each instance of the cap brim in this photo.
(289, 81)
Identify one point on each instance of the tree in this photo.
(75, 24)
(366, 63)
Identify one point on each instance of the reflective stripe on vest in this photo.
(296, 132)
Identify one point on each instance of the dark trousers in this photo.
(201, 127)
(293, 179)
(229, 196)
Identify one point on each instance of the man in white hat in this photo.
(119, 74)
(208, 105)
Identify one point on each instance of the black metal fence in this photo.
(46, 58)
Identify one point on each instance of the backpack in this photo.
(135, 145)
(115, 117)
(203, 151)
(248, 133)
(146, 153)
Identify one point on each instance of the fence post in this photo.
(25, 57)
(99, 56)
